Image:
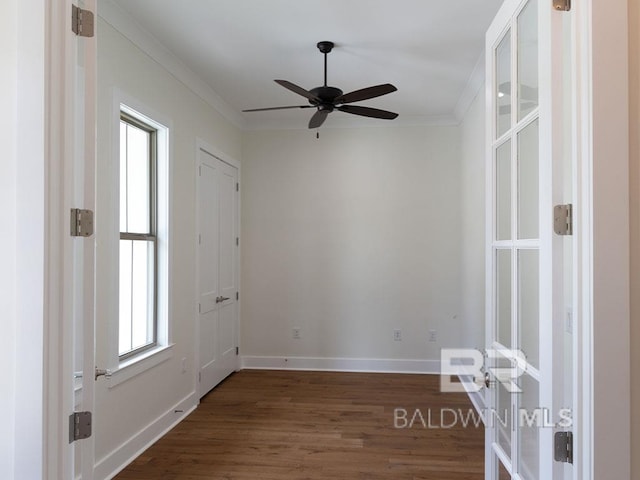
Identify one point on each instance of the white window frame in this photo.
(148, 237)
(130, 366)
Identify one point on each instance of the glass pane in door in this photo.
(528, 59)
(530, 418)
(503, 191)
(503, 297)
(529, 305)
(503, 85)
(503, 474)
(528, 183)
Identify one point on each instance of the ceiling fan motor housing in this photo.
(325, 47)
(327, 95)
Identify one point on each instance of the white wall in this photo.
(349, 237)
(634, 184)
(473, 186)
(22, 243)
(8, 215)
(611, 233)
(128, 414)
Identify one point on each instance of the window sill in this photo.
(139, 364)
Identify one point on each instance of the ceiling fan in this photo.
(326, 99)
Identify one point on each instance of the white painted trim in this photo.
(371, 365)
(471, 90)
(139, 364)
(583, 255)
(113, 463)
(476, 398)
(122, 101)
(58, 353)
(147, 43)
(216, 152)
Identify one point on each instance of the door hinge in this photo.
(237, 295)
(237, 187)
(237, 241)
(79, 426)
(81, 223)
(563, 447)
(563, 219)
(237, 350)
(82, 22)
(199, 377)
(562, 5)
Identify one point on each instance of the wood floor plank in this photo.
(282, 425)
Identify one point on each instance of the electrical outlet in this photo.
(433, 336)
(296, 333)
(397, 335)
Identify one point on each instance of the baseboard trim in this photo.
(368, 365)
(476, 398)
(109, 466)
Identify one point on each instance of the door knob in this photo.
(487, 380)
(102, 373)
(221, 299)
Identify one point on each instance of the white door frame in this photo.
(58, 371)
(603, 391)
(202, 145)
(603, 253)
(61, 131)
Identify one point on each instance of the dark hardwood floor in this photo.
(277, 425)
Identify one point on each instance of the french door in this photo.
(217, 270)
(530, 280)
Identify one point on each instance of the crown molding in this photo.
(151, 46)
(115, 16)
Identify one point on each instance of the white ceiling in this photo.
(427, 48)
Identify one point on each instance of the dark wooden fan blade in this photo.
(318, 118)
(366, 93)
(277, 108)
(368, 112)
(296, 89)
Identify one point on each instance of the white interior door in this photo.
(217, 270)
(529, 267)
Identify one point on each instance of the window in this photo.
(138, 272)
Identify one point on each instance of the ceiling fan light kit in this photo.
(326, 99)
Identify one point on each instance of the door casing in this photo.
(603, 224)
